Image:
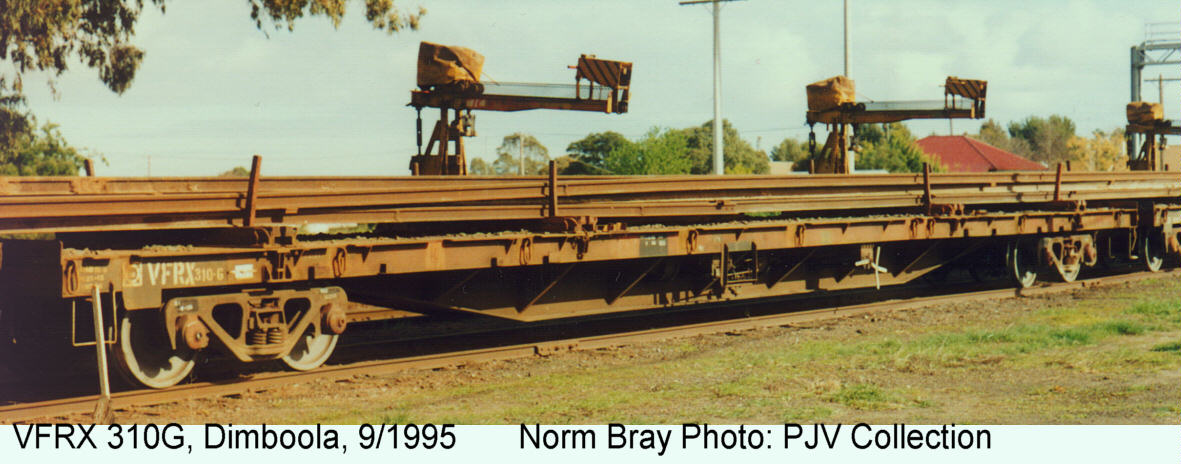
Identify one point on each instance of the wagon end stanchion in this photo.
(1058, 184)
(252, 191)
(927, 188)
(553, 189)
(102, 408)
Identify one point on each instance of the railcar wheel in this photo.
(1021, 259)
(1068, 272)
(1152, 250)
(145, 356)
(311, 350)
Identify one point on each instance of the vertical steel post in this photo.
(418, 130)
(719, 163)
(927, 187)
(1160, 86)
(1058, 184)
(252, 190)
(102, 409)
(1137, 67)
(553, 188)
(846, 38)
(1133, 140)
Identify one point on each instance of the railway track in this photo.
(266, 380)
(42, 204)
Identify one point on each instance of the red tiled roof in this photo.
(959, 153)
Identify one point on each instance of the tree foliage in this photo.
(890, 147)
(48, 35)
(1048, 138)
(992, 133)
(589, 154)
(695, 144)
(382, 14)
(789, 149)
(238, 171)
(479, 167)
(1103, 151)
(1051, 140)
(737, 154)
(658, 152)
(520, 154)
(41, 153)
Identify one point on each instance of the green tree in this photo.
(15, 125)
(238, 171)
(479, 167)
(1048, 138)
(890, 147)
(1103, 151)
(739, 157)
(43, 153)
(789, 150)
(46, 35)
(659, 152)
(993, 134)
(519, 154)
(593, 149)
(570, 166)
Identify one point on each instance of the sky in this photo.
(213, 89)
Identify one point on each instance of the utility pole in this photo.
(1160, 86)
(846, 38)
(719, 163)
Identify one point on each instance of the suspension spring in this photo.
(275, 336)
(256, 337)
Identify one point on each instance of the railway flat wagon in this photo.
(183, 266)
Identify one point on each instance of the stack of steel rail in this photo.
(47, 204)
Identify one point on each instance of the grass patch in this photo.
(811, 413)
(1121, 327)
(400, 416)
(1155, 308)
(863, 396)
(1171, 347)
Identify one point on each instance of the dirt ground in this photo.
(1107, 355)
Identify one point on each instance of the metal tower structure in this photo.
(1161, 46)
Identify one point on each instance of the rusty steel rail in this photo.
(42, 204)
(85, 404)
